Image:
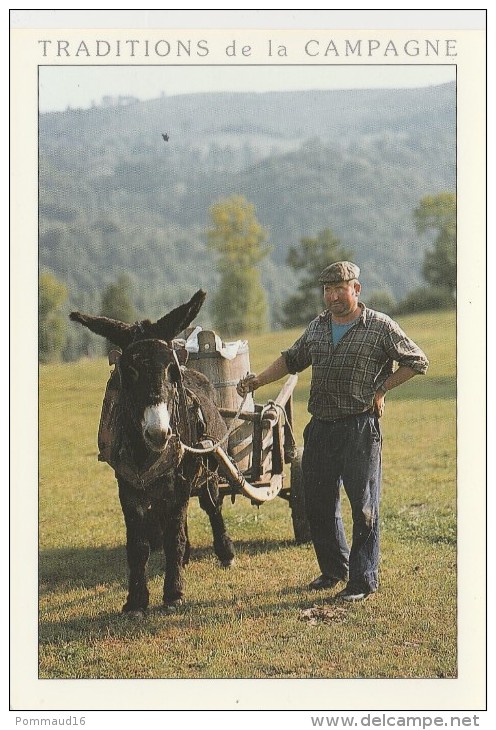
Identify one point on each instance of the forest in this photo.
(117, 198)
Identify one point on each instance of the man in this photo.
(352, 350)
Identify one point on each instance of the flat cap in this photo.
(340, 271)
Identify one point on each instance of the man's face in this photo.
(341, 298)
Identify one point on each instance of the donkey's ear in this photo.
(119, 333)
(181, 317)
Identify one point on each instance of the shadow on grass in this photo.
(84, 567)
(189, 616)
(102, 569)
(91, 567)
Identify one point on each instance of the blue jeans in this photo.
(345, 452)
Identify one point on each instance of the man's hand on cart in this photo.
(247, 384)
(276, 370)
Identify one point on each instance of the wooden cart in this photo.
(262, 441)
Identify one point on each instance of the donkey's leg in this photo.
(176, 547)
(187, 549)
(211, 503)
(138, 551)
(163, 518)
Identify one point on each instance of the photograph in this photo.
(252, 265)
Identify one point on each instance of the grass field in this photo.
(256, 620)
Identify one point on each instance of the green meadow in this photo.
(257, 619)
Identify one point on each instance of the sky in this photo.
(61, 87)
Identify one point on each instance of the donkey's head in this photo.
(151, 376)
(149, 367)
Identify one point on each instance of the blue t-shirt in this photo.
(338, 330)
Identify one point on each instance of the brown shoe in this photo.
(322, 582)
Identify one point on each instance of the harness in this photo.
(114, 452)
(187, 419)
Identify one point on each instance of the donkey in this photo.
(154, 409)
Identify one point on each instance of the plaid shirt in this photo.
(345, 377)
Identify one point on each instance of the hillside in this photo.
(115, 197)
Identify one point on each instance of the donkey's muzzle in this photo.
(157, 438)
(157, 427)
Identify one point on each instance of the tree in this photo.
(247, 310)
(438, 212)
(425, 299)
(382, 300)
(240, 303)
(310, 258)
(52, 326)
(117, 302)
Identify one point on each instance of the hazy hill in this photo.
(115, 197)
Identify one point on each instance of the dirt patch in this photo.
(331, 614)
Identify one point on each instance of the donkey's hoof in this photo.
(171, 606)
(136, 614)
(227, 563)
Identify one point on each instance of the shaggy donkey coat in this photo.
(161, 404)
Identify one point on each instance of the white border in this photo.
(466, 693)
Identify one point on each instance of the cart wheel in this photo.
(301, 527)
